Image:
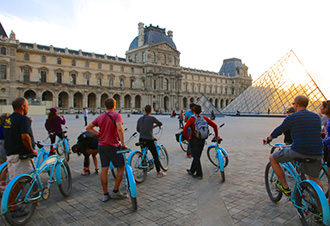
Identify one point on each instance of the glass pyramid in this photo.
(207, 106)
(274, 91)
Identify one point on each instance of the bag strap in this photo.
(111, 119)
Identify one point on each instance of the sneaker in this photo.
(161, 174)
(189, 172)
(286, 192)
(106, 197)
(118, 195)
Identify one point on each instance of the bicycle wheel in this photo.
(65, 183)
(309, 210)
(59, 149)
(213, 157)
(163, 157)
(273, 190)
(20, 211)
(324, 180)
(136, 163)
(129, 184)
(223, 176)
(4, 177)
(183, 143)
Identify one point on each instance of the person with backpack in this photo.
(199, 127)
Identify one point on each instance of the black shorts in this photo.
(109, 153)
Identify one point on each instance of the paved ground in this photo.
(177, 199)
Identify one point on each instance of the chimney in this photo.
(170, 34)
(141, 35)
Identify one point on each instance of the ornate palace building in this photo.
(149, 74)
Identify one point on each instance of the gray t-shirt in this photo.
(145, 126)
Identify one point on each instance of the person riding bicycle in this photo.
(307, 144)
(111, 140)
(145, 125)
(197, 144)
(53, 125)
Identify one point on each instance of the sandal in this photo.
(96, 171)
(85, 172)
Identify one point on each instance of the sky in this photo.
(259, 32)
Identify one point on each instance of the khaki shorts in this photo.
(17, 166)
(312, 168)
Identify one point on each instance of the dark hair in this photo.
(110, 103)
(18, 102)
(192, 105)
(147, 109)
(198, 109)
(326, 105)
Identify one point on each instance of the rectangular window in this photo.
(99, 82)
(43, 59)
(26, 75)
(73, 79)
(111, 82)
(132, 83)
(122, 68)
(3, 71)
(43, 76)
(59, 77)
(99, 66)
(155, 82)
(111, 67)
(3, 102)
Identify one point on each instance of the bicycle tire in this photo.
(163, 157)
(66, 150)
(222, 175)
(4, 177)
(324, 180)
(66, 180)
(183, 143)
(114, 172)
(133, 199)
(212, 156)
(274, 193)
(23, 184)
(139, 173)
(311, 210)
(59, 149)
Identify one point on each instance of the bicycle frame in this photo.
(52, 161)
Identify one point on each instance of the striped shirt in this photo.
(305, 129)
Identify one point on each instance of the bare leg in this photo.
(104, 179)
(278, 171)
(119, 177)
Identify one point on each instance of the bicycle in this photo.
(62, 146)
(28, 189)
(218, 156)
(142, 164)
(129, 179)
(182, 141)
(307, 196)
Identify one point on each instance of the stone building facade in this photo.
(149, 74)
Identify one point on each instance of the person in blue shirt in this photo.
(305, 129)
(187, 115)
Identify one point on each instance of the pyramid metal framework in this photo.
(207, 106)
(274, 91)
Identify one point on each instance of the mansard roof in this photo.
(152, 36)
(2, 31)
(230, 66)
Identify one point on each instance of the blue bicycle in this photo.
(307, 196)
(218, 156)
(62, 146)
(142, 164)
(24, 191)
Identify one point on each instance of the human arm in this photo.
(120, 131)
(26, 140)
(90, 128)
(213, 125)
(286, 124)
(62, 119)
(185, 118)
(186, 127)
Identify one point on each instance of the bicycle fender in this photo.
(130, 178)
(212, 146)
(323, 200)
(221, 162)
(130, 156)
(3, 165)
(66, 146)
(223, 151)
(5, 195)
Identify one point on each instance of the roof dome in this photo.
(152, 36)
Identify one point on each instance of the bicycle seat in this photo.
(27, 156)
(217, 140)
(307, 160)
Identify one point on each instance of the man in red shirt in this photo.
(196, 144)
(111, 140)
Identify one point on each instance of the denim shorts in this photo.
(312, 168)
(109, 153)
